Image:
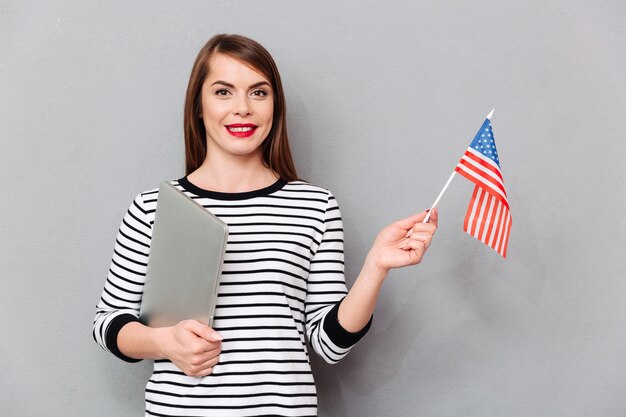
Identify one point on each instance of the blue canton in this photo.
(484, 142)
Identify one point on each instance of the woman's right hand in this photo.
(193, 347)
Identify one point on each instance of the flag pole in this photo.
(447, 183)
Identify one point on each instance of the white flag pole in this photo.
(446, 186)
(438, 197)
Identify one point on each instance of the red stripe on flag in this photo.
(497, 235)
(495, 182)
(469, 209)
(485, 218)
(478, 209)
(484, 186)
(493, 225)
(482, 162)
(507, 234)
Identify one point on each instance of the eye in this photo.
(259, 93)
(222, 92)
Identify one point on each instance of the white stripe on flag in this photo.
(492, 185)
(486, 217)
(481, 216)
(494, 229)
(483, 169)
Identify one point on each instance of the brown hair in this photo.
(276, 151)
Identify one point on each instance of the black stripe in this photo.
(269, 250)
(261, 305)
(133, 239)
(133, 228)
(137, 218)
(290, 216)
(255, 316)
(130, 259)
(234, 384)
(131, 249)
(260, 394)
(282, 197)
(132, 271)
(109, 282)
(125, 279)
(270, 282)
(231, 407)
(257, 206)
(264, 271)
(246, 261)
(256, 242)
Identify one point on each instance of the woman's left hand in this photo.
(403, 242)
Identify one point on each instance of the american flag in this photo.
(488, 218)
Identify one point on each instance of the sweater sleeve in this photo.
(326, 289)
(121, 297)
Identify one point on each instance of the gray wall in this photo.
(383, 99)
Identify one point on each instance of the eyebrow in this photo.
(229, 85)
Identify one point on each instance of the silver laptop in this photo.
(185, 262)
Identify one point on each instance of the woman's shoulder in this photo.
(301, 186)
(317, 197)
(146, 200)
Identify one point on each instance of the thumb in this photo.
(205, 332)
(214, 336)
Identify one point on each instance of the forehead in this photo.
(226, 68)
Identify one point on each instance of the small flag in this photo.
(488, 218)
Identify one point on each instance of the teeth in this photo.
(240, 129)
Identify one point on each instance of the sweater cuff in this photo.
(113, 330)
(337, 334)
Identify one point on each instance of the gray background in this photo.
(383, 99)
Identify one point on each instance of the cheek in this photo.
(269, 114)
(213, 112)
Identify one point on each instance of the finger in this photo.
(434, 217)
(204, 357)
(424, 228)
(205, 368)
(408, 222)
(203, 331)
(412, 244)
(426, 238)
(416, 250)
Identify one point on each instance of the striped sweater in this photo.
(281, 286)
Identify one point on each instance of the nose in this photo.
(242, 107)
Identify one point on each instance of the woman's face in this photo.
(237, 108)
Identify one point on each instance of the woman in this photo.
(282, 281)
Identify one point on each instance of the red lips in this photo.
(241, 130)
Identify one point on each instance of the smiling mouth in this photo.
(241, 130)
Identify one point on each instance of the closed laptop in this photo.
(185, 262)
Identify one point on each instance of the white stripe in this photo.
(473, 214)
(495, 226)
(484, 180)
(482, 168)
(483, 157)
(481, 216)
(501, 227)
(487, 219)
(506, 232)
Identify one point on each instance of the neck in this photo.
(233, 175)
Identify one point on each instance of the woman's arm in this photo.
(394, 247)
(190, 345)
